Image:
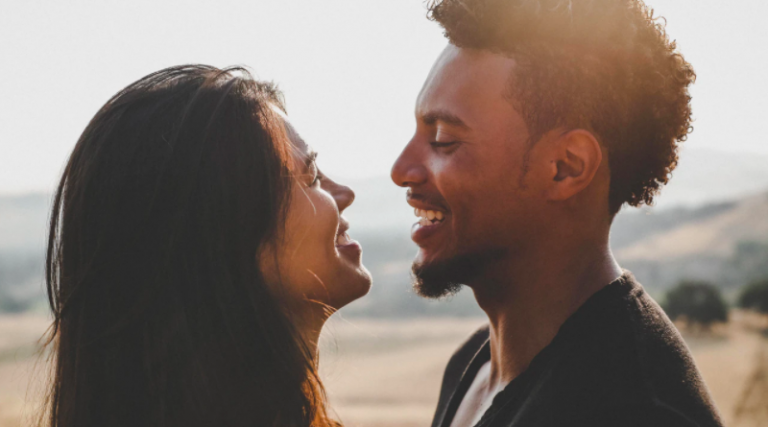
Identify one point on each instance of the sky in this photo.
(350, 70)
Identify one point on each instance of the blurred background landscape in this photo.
(383, 355)
(351, 71)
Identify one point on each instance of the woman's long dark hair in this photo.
(161, 314)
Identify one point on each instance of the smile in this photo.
(430, 223)
(343, 239)
(429, 217)
(347, 247)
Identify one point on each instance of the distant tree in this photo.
(755, 296)
(698, 302)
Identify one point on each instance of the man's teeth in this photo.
(428, 217)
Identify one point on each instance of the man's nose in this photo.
(409, 170)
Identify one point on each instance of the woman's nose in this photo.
(343, 195)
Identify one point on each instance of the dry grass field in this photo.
(387, 372)
(19, 367)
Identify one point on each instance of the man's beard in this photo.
(445, 278)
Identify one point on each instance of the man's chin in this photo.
(441, 278)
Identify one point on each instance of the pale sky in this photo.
(350, 70)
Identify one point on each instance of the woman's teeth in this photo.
(343, 239)
(429, 217)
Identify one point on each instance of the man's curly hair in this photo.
(607, 66)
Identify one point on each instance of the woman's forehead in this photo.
(299, 145)
(296, 140)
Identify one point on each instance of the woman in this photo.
(195, 252)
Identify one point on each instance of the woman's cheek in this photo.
(327, 214)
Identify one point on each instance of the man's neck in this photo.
(527, 299)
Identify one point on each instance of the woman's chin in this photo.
(356, 286)
(356, 275)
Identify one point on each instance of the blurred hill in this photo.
(726, 243)
(710, 223)
(23, 222)
(707, 231)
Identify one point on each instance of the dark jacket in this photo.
(617, 361)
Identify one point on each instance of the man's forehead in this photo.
(464, 77)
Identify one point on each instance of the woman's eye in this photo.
(315, 174)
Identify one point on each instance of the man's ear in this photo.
(576, 157)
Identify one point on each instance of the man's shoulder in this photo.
(627, 354)
(639, 335)
(626, 325)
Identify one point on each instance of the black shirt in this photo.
(618, 361)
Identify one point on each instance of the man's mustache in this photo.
(426, 198)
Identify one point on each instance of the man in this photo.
(539, 120)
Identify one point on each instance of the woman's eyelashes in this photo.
(315, 174)
(310, 170)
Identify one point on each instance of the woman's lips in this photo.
(352, 251)
(347, 247)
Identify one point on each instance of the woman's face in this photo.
(315, 261)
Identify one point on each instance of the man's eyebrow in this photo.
(433, 117)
